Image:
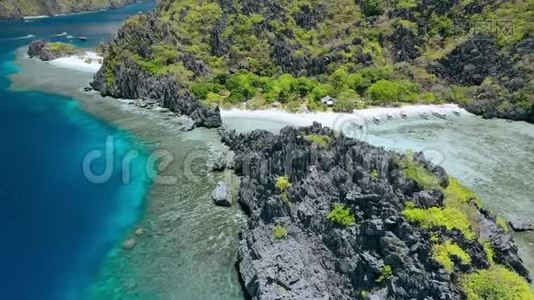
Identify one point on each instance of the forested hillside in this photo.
(365, 52)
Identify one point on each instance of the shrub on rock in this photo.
(282, 183)
(279, 232)
(495, 283)
(443, 254)
(341, 215)
(450, 218)
(322, 140)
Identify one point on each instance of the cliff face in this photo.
(335, 218)
(13, 9)
(363, 52)
(123, 77)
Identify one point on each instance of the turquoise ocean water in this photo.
(56, 226)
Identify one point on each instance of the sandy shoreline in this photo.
(337, 120)
(89, 62)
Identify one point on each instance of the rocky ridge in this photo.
(293, 249)
(15, 9)
(437, 49)
(478, 59)
(47, 51)
(128, 80)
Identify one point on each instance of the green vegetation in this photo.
(459, 197)
(164, 61)
(448, 217)
(293, 55)
(375, 174)
(434, 237)
(419, 173)
(376, 85)
(63, 48)
(442, 253)
(490, 253)
(372, 7)
(341, 215)
(503, 224)
(385, 274)
(345, 49)
(495, 283)
(282, 183)
(386, 91)
(321, 140)
(279, 232)
(457, 194)
(461, 213)
(441, 26)
(406, 4)
(509, 23)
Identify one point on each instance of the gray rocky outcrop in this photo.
(129, 244)
(318, 259)
(479, 58)
(126, 79)
(221, 194)
(42, 50)
(519, 224)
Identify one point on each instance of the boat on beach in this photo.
(439, 115)
(376, 120)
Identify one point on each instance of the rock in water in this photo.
(218, 161)
(221, 194)
(187, 124)
(139, 231)
(36, 47)
(47, 51)
(129, 244)
(519, 225)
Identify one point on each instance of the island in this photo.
(360, 53)
(10, 9)
(329, 216)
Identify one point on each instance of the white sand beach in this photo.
(35, 17)
(337, 120)
(89, 62)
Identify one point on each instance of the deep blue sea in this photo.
(55, 225)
